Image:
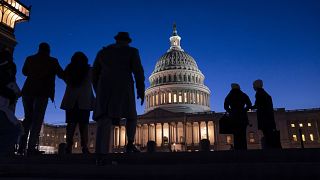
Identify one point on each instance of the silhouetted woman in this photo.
(78, 99)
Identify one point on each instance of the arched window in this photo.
(169, 78)
(185, 78)
(180, 77)
(164, 79)
(175, 78)
(189, 78)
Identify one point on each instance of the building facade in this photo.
(11, 12)
(178, 116)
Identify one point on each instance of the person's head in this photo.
(79, 58)
(257, 84)
(123, 37)
(44, 48)
(235, 86)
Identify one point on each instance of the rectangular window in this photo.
(185, 97)
(157, 99)
(251, 137)
(174, 97)
(161, 98)
(164, 98)
(294, 137)
(169, 98)
(311, 137)
(229, 140)
(301, 125)
(309, 124)
(303, 137)
(180, 97)
(198, 98)
(292, 125)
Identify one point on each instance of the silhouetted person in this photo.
(40, 70)
(114, 86)
(265, 115)
(10, 127)
(237, 103)
(78, 99)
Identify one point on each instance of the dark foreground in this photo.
(255, 164)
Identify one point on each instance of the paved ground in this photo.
(256, 164)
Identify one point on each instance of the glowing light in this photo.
(12, 12)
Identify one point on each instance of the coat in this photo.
(41, 71)
(237, 103)
(113, 81)
(264, 106)
(82, 95)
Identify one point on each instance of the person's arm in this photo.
(96, 70)
(227, 104)
(138, 73)
(59, 70)
(248, 103)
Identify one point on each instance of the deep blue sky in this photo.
(232, 41)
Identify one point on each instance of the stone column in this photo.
(119, 136)
(177, 138)
(148, 125)
(207, 130)
(155, 132)
(192, 142)
(161, 134)
(199, 125)
(169, 139)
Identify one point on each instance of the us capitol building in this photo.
(178, 116)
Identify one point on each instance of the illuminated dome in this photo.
(177, 84)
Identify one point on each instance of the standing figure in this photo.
(78, 99)
(114, 87)
(10, 126)
(41, 70)
(237, 103)
(265, 116)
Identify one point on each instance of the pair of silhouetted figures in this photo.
(237, 104)
(112, 81)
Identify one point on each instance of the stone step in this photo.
(254, 164)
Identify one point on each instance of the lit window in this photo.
(48, 135)
(301, 125)
(169, 98)
(157, 99)
(164, 98)
(251, 137)
(185, 97)
(309, 124)
(292, 125)
(303, 137)
(294, 137)
(174, 97)
(311, 137)
(76, 145)
(180, 97)
(65, 136)
(198, 98)
(229, 140)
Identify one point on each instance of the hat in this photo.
(235, 86)
(258, 83)
(123, 36)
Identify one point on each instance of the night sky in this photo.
(232, 41)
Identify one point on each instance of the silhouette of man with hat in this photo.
(114, 87)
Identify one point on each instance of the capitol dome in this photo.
(177, 84)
